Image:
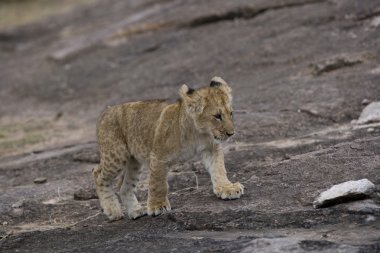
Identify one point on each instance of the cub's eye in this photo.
(218, 116)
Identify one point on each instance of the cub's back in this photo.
(132, 123)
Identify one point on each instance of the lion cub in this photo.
(156, 134)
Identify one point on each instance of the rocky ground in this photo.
(301, 71)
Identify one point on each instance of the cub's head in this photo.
(210, 108)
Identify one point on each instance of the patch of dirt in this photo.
(15, 13)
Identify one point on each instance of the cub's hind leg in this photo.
(110, 166)
(127, 188)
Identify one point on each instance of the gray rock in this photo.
(40, 180)
(18, 204)
(370, 114)
(370, 218)
(85, 194)
(365, 101)
(370, 130)
(346, 191)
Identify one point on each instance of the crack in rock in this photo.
(333, 64)
(239, 13)
(369, 15)
(246, 12)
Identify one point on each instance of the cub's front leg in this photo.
(213, 159)
(158, 201)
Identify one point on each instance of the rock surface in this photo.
(85, 194)
(299, 70)
(367, 206)
(351, 190)
(278, 245)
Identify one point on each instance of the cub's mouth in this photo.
(219, 139)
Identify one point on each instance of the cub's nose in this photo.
(230, 134)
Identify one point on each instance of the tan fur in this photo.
(156, 134)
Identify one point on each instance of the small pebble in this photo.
(370, 130)
(5, 223)
(18, 204)
(85, 194)
(366, 102)
(370, 218)
(40, 180)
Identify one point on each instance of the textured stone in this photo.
(366, 101)
(40, 180)
(343, 192)
(85, 194)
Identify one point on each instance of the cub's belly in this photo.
(188, 153)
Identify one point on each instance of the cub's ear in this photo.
(185, 91)
(193, 101)
(218, 82)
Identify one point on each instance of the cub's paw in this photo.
(113, 211)
(229, 191)
(158, 207)
(137, 212)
